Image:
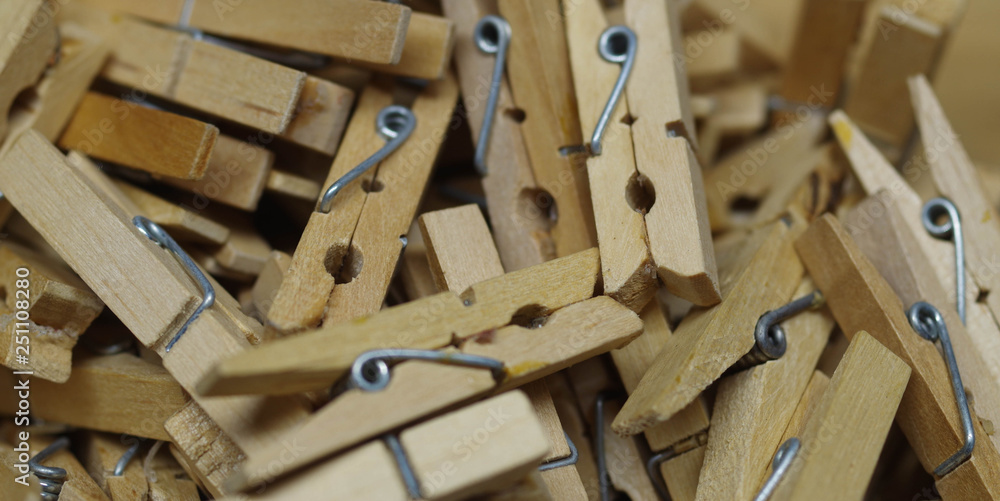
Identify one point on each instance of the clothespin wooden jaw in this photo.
(25, 51)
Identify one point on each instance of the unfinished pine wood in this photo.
(828, 29)
(12, 488)
(515, 446)
(268, 281)
(896, 254)
(236, 175)
(541, 82)
(82, 53)
(460, 247)
(162, 11)
(315, 359)
(860, 298)
(144, 285)
(205, 452)
(627, 267)
(538, 486)
(24, 52)
(766, 28)
(752, 408)
(245, 251)
(142, 138)
(415, 271)
(709, 341)
(116, 393)
(955, 176)
(99, 454)
(79, 486)
(898, 46)
(351, 29)
(183, 224)
(292, 185)
(805, 408)
(320, 116)
(844, 444)
(376, 247)
(521, 228)
(625, 461)
(303, 295)
(681, 474)
(714, 64)
(545, 409)
(426, 51)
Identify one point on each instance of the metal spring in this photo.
(779, 467)
(371, 370)
(770, 341)
(51, 478)
(574, 456)
(604, 479)
(492, 36)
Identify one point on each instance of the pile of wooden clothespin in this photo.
(491, 249)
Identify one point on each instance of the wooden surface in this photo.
(206, 453)
(283, 367)
(681, 474)
(116, 393)
(79, 486)
(24, 52)
(545, 409)
(292, 185)
(860, 298)
(375, 247)
(183, 224)
(426, 52)
(843, 444)
(541, 82)
(236, 175)
(320, 115)
(710, 340)
(627, 267)
(142, 138)
(352, 29)
(460, 247)
(753, 406)
(520, 227)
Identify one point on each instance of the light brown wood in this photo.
(62, 86)
(144, 286)
(520, 227)
(375, 247)
(714, 64)
(236, 175)
(752, 408)
(545, 409)
(117, 393)
(303, 295)
(183, 224)
(292, 185)
(682, 472)
(896, 254)
(627, 267)
(161, 11)
(625, 463)
(205, 452)
(766, 28)
(710, 340)
(100, 453)
(143, 138)
(313, 360)
(79, 486)
(842, 443)
(24, 52)
(860, 298)
(806, 406)
(460, 247)
(538, 486)
(897, 46)
(245, 251)
(59, 307)
(268, 281)
(827, 28)
(541, 82)
(415, 271)
(12, 487)
(352, 29)
(320, 115)
(426, 51)
(514, 444)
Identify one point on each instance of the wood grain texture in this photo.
(24, 52)
(268, 281)
(117, 393)
(426, 52)
(805, 408)
(460, 247)
(155, 141)
(520, 227)
(313, 360)
(681, 474)
(627, 267)
(861, 299)
(183, 224)
(541, 82)
(79, 486)
(352, 29)
(236, 175)
(320, 116)
(292, 186)
(843, 444)
(752, 408)
(204, 450)
(545, 409)
(710, 340)
(375, 247)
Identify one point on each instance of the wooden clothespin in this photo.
(205, 452)
(541, 83)
(292, 185)
(314, 360)
(898, 42)
(59, 307)
(767, 29)
(739, 110)
(236, 175)
(220, 81)
(76, 482)
(671, 239)
(357, 236)
(711, 340)
(118, 393)
(521, 228)
(11, 489)
(146, 286)
(838, 438)
(108, 128)
(859, 298)
(753, 406)
(117, 464)
(24, 53)
(714, 64)
(515, 446)
(426, 52)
